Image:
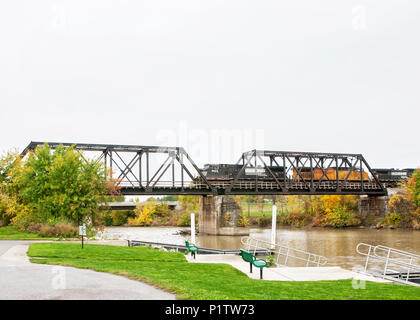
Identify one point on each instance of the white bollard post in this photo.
(273, 225)
(193, 228)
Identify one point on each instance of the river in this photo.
(338, 245)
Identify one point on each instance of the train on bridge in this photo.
(228, 172)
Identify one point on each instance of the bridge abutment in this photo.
(219, 215)
(370, 206)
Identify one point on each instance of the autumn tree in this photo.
(189, 202)
(404, 207)
(11, 166)
(61, 185)
(413, 188)
(11, 205)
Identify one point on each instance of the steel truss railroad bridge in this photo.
(154, 170)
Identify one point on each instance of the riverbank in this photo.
(171, 271)
(265, 220)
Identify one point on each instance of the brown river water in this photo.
(338, 245)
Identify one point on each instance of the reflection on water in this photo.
(339, 246)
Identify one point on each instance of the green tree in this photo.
(11, 166)
(62, 185)
(189, 202)
(169, 198)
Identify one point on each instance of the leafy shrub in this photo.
(413, 189)
(35, 228)
(46, 230)
(60, 230)
(120, 217)
(295, 219)
(184, 220)
(226, 220)
(65, 230)
(341, 217)
(393, 219)
(263, 220)
(144, 215)
(105, 218)
(25, 218)
(243, 221)
(10, 208)
(161, 210)
(189, 203)
(400, 203)
(7, 208)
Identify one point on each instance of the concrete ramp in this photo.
(285, 273)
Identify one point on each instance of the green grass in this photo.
(11, 233)
(171, 272)
(255, 209)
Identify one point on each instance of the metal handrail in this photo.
(406, 254)
(289, 252)
(390, 262)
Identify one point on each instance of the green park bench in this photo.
(259, 263)
(191, 248)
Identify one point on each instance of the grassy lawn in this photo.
(255, 209)
(11, 233)
(171, 272)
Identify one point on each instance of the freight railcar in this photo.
(330, 174)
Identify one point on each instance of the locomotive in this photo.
(393, 175)
(227, 172)
(330, 174)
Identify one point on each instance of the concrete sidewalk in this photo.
(284, 273)
(23, 280)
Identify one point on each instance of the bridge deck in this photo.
(261, 187)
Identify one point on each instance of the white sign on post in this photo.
(82, 230)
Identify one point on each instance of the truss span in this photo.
(156, 170)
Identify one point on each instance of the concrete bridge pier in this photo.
(373, 206)
(219, 215)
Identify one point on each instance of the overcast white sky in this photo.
(332, 76)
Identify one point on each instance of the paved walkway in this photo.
(284, 273)
(21, 279)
